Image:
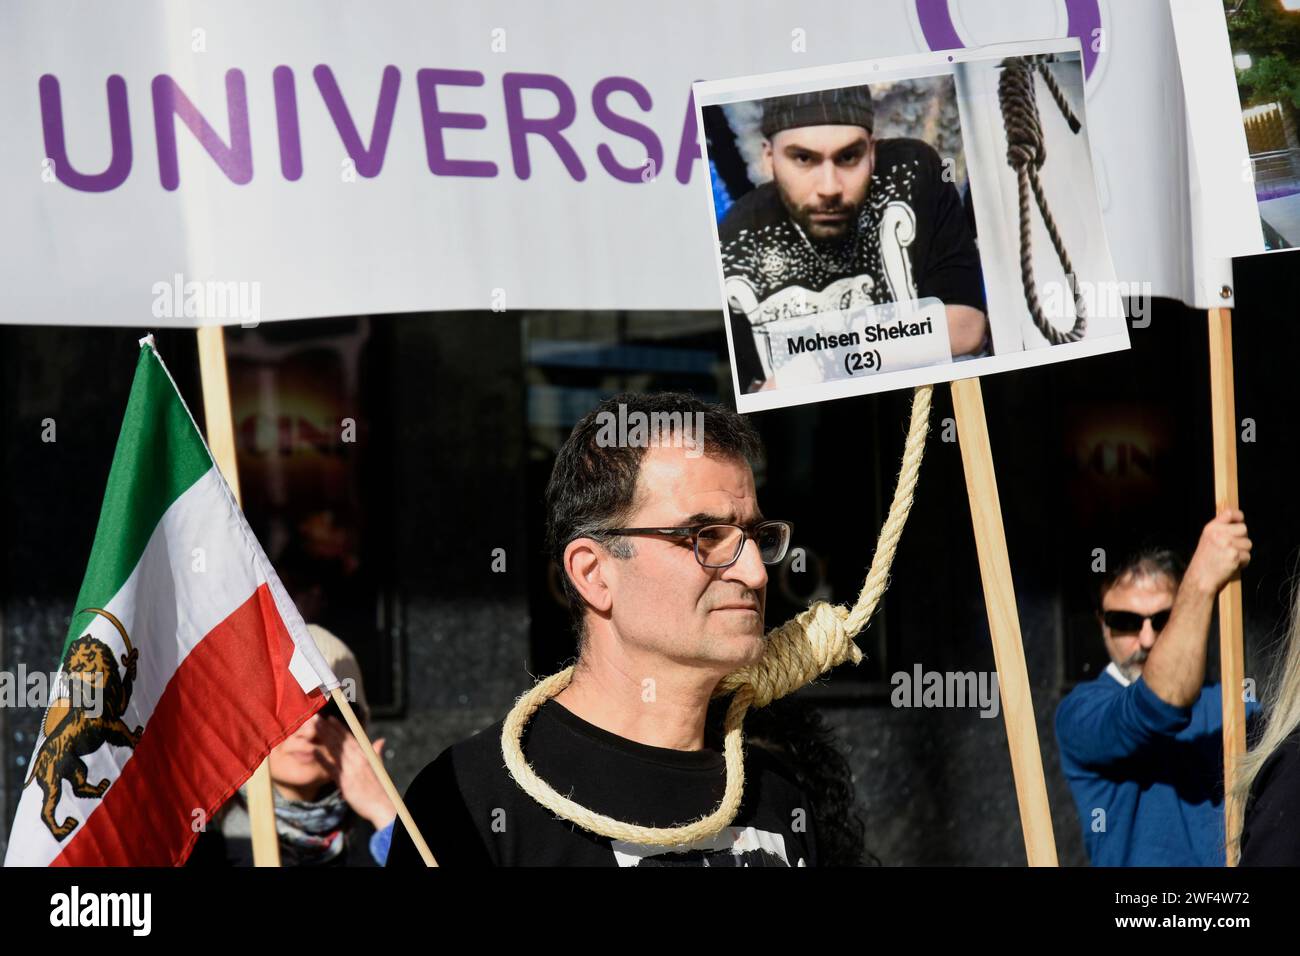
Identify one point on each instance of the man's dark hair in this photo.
(1144, 562)
(593, 484)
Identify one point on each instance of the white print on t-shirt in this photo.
(897, 232)
(734, 846)
(795, 301)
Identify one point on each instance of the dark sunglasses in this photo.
(1130, 622)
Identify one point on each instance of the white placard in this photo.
(893, 243)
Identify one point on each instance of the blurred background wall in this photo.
(389, 534)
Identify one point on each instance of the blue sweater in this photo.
(1147, 776)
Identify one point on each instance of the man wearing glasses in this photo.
(663, 553)
(1142, 745)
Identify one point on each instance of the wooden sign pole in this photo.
(221, 440)
(1004, 623)
(381, 774)
(1231, 641)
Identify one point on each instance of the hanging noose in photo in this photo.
(1026, 151)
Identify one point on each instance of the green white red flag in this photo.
(203, 662)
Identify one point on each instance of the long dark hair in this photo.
(797, 732)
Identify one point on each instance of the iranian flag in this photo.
(184, 664)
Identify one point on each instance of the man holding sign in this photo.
(1142, 745)
(847, 221)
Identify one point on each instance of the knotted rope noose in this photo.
(1025, 154)
(799, 651)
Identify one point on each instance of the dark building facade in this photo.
(417, 534)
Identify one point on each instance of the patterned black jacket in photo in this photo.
(912, 241)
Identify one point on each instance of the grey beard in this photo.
(1131, 668)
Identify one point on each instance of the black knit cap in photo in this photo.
(848, 106)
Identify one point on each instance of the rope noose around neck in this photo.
(1026, 151)
(797, 652)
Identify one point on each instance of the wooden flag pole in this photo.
(1004, 623)
(1231, 642)
(381, 774)
(221, 440)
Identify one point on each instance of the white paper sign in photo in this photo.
(855, 343)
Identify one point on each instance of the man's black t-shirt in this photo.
(472, 813)
(912, 241)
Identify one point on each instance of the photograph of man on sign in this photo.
(846, 219)
(887, 224)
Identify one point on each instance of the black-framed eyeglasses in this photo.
(1130, 622)
(720, 545)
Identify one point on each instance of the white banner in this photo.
(173, 163)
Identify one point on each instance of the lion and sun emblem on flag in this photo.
(71, 730)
